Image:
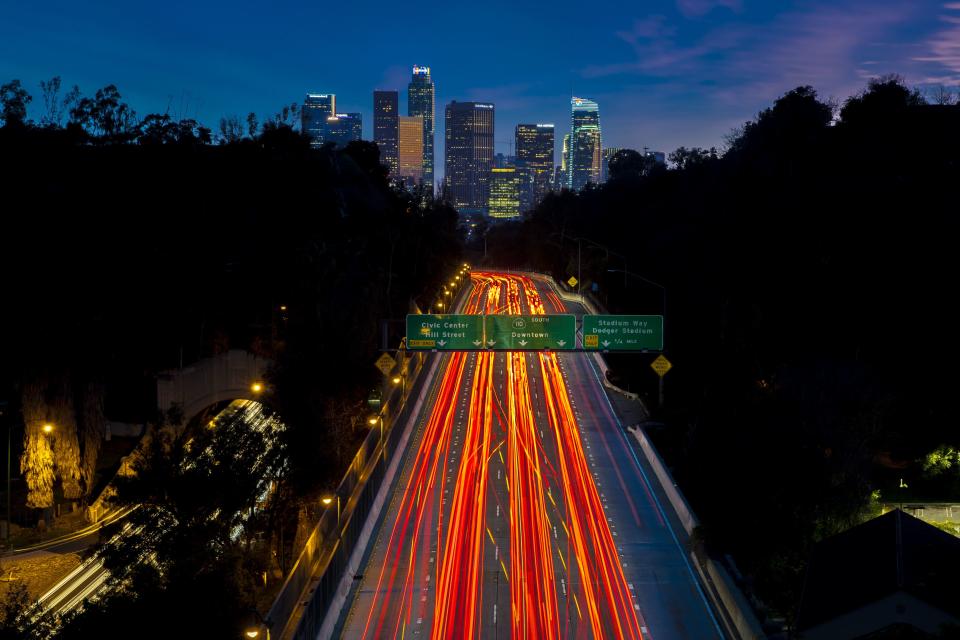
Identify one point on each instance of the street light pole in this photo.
(579, 274)
(9, 508)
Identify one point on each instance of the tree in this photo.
(92, 421)
(53, 105)
(628, 163)
(16, 602)
(13, 103)
(105, 116)
(36, 463)
(252, 126)
(885, 98)
(66, 446)
(231, 129)
(684, 158)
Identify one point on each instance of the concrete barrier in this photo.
(736, 612)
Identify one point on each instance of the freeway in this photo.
(521, 508)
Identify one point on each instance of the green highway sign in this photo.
(444, 332)
(556, 331)
(623, 333)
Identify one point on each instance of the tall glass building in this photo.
(343, 128)
(535, 147)
(386, 128)
(468, 155)
(560, 180)
(420, 102)
(411, 150)
(317, 107)
(584, 164)
(504, 193)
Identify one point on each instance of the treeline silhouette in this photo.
(810, 276)
(134, 245)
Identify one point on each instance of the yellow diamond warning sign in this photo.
(572, 281)
(385, 363)
(661, 365)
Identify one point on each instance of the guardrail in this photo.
(311, 585)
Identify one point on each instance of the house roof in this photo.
(894, 552)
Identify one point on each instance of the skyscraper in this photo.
(420, 102)
(504, 193)
(468, 154)
(535, 147)
(585, 143)
(343, 128)
(561, 178)
(411, 149)
(317, 107)
(386, 128)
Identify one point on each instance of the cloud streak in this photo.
(822, 47)
(944, 50)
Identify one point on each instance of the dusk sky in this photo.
(665, 73)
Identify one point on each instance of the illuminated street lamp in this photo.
(327, 501)
(256, 627)
(48, 428)
(257, 387)
(373, 420)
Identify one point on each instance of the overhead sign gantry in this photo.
(542, 332)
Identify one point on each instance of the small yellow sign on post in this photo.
(385, 363)
(661, 365)
(572, 281)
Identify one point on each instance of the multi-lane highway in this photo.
(521, 509)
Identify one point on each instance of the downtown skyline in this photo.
(666, 74)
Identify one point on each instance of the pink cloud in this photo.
(943, 50)
(823, 47)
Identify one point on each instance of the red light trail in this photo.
(512, 452)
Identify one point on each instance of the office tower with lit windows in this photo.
(504, 199)
(535, 148)
(420, 102)
(503, 161)
(317, 107)
(343, 128)
(410, 157)
(468, 155)
(584, 164)
(560, 182)
(608, 154)
(386, 128)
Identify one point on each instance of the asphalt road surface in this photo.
(521, 509)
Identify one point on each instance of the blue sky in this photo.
(666, 73)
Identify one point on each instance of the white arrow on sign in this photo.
(477, 343)
(561, 342)
(522, 343)
(441, 342)
(605, 343)
(491, 342)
